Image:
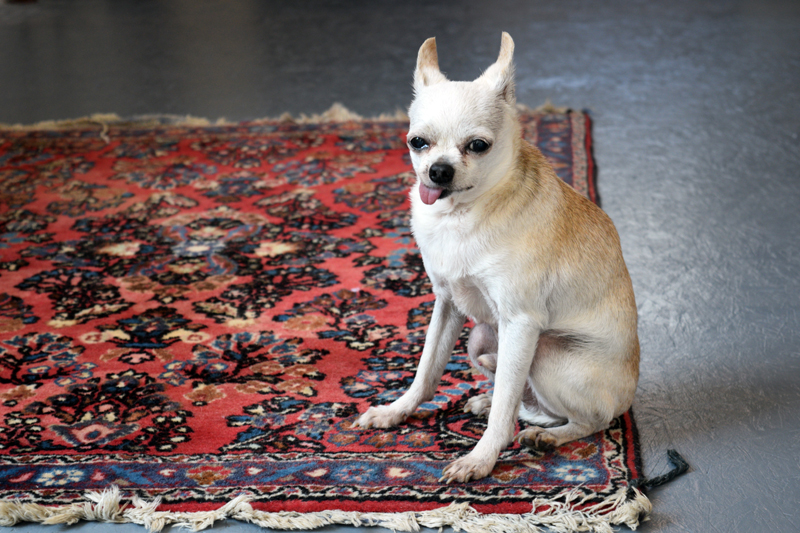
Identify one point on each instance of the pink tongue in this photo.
(428, 194)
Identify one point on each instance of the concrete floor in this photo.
(697, 115)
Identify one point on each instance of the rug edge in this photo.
(336, 113)
(566, 512)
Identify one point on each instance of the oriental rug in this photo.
(192, 315)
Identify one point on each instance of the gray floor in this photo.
(697, 115)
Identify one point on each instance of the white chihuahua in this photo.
(537, 267)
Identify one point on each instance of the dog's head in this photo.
(462, 135)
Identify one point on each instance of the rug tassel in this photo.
(105, 509)
(679, 467)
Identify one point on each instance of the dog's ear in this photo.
(427, 72)
(501, 74)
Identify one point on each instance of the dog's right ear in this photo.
(427, 72)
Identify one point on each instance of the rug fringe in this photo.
(567, 512)
(546, 107)
(336, 113)
(339, 113)
(105, 119)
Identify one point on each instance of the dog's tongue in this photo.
(428, 194)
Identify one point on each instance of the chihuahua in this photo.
(535, 265)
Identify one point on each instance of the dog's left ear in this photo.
(501, 74)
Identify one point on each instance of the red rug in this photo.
(198, 313)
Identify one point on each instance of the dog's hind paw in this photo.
(382, 416)
(536, 438)
(479, 405)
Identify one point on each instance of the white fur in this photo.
(506, 271)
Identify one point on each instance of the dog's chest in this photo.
(473, 299)
(460, 265)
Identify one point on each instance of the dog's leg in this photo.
(443, 331)
(577, 395)
(543, 439)
(532, 414)
(516, 350)
(482, 350)
(529, 411)
(483, 341)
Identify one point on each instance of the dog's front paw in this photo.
(479, 405)
(382, 416)
(471, 466)
(536, 438)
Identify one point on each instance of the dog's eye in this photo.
(418, 143)
(478, 146)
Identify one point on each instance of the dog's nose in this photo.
(441, 173)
